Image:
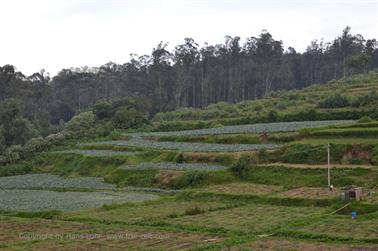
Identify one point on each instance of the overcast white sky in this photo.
(56, 34)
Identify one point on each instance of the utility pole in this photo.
(329, 166)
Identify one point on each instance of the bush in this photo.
(57, 138)
(13, 154)
(374, 158)
(213, 113)
(367, 99)
(216, 125)
(240, 168)
(179, 158)
(2, 143)
(272, 116)
(126, 118)
(194, 210)
(81, 124)
(102, 110)
(35, 145)
(347, 132)
(300, 153)
(104, 129)
(365, 119)
(335, 101)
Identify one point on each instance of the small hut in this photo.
(351, 193)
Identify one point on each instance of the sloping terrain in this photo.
(259, 186)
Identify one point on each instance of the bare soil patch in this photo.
(41, 234)
(315, 166)
(243, 188)
(311, 192)
(300, 245)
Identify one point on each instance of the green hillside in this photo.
(350, 98)
(246, 176)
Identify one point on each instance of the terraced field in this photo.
(42, 200)
(99, 153)
(176, 166)
(48, 181)
(31, 192)
(188, 196)
(137, 139)
(253, 128)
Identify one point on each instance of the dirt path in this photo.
(317, 166)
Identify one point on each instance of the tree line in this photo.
(190, 75)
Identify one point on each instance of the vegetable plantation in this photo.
(46, 181)
(99, 153)
(39, 200)
(251, 128)
(137, 141)
(177, 166)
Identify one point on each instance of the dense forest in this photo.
(188, 76)
(193, 76)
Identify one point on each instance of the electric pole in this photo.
(329, 166)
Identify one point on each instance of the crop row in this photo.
(347, 132)
(46, 181)
(100, 153)
(137, 141)
(177, 166)
(39, 200)
(252, 128)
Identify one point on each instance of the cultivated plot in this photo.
(47, 181)
(40, 200)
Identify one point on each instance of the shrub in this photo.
(57, 138)
(102, 109)
(81, 124)
(213, 113)
(258, 108)
(240, 168)
(367, 99)
(13, 154)
(35, 145)
(365, 119)
(124, 118)
(216, 125)
(2, 143)
(335, 101)
(281, 106)
(194, 210)
(347, 132)
(374, 114)
(179, 158)
(300, 153)
(272, 116)
(374, 158)
(190, 179)
(104, 129)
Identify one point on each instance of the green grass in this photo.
(346, 132)
(291, 177)
(343, 226)
(232, 138)
(15, 169)
(339, 140)
(127, 177)
(111, 168)
(258, 219)
(165, 208)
